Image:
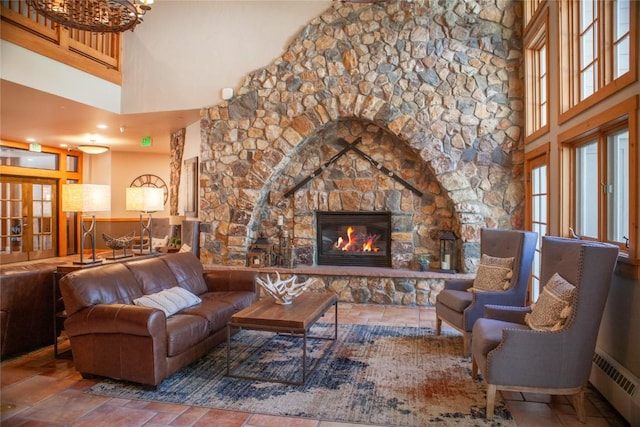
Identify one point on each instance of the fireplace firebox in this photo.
(353, 238)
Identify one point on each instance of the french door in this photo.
(28, 220)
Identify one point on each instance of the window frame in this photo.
(622, 115)
(537, 39)
(570, 58)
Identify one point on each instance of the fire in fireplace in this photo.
(354, 238)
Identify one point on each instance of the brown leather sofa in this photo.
(112, 337)
(26, 307)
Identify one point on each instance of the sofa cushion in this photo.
(215, 311)
(170, 300)
(184, 331)
(553, 307)
(187, 270)
(116, 285)
(494, 274)
(153, 275)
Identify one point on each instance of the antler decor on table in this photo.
(284, 291)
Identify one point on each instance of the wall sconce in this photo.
(86, 198)
(448, 251)
(145, 200)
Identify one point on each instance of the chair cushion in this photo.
(494, 274)
(455, 300)
(487, 334)
(170, 300)
(553, 307)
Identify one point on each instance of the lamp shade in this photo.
(86, 197)
(144, 199)
(176, 219)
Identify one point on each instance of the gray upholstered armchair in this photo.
(557, 359)
(460, 308)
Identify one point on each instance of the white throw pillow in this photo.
(170, 300)
(185, 248)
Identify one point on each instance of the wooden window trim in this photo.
(626, 111)
(532, 10)
(568, 65)
(535, 40)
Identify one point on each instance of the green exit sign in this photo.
(146, 141)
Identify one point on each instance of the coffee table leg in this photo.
(304, 357)
(228, 347)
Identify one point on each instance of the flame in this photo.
(350, 243)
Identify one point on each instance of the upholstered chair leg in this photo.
(438, 325)
(466, 345)
(491, 400)
(474, 368)
(578, 404)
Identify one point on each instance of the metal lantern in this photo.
(448, 251)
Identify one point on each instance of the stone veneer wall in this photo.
(434, 89)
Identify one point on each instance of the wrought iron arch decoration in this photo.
(150, 180)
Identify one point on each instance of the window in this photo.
(597, 46)
(611, 192)
(531, 7)
(536, 86)
(537, 215)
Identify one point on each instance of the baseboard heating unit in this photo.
(619, 386)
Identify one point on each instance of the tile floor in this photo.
(38, 390)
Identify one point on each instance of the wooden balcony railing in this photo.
(98, 54)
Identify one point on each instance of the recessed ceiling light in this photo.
(102, 126)
(30, 139)
(64, 145)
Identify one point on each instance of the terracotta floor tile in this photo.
(33, 389)
(258, 420)
(64, 407)
(109, 416)
(189, 417)
(219, 418)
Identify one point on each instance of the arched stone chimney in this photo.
(432, 90)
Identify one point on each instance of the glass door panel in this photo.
(27, 220)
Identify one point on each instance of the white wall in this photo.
(185, 52)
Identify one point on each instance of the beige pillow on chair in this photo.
(553, 307)
(494, 274)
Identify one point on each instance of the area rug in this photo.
(381, 375)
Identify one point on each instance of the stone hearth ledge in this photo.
(368, 285)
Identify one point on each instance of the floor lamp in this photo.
(86, 198)
(145, 200)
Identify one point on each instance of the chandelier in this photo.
(98, 16)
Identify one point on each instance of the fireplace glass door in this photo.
(354, 238)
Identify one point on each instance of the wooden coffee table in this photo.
(295, 319)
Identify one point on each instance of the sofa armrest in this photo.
(117, 319)
(231, 280)
(458, 284)
(506, 313)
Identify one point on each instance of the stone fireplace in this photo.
(430, 91)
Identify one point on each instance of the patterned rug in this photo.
(382, 375)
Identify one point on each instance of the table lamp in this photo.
(175, 221)
(145, 200)
(86, 198)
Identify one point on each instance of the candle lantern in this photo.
(448, 251)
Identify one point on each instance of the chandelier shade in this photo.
(99, 16)
(93, 149)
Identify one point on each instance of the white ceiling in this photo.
(53, 120)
